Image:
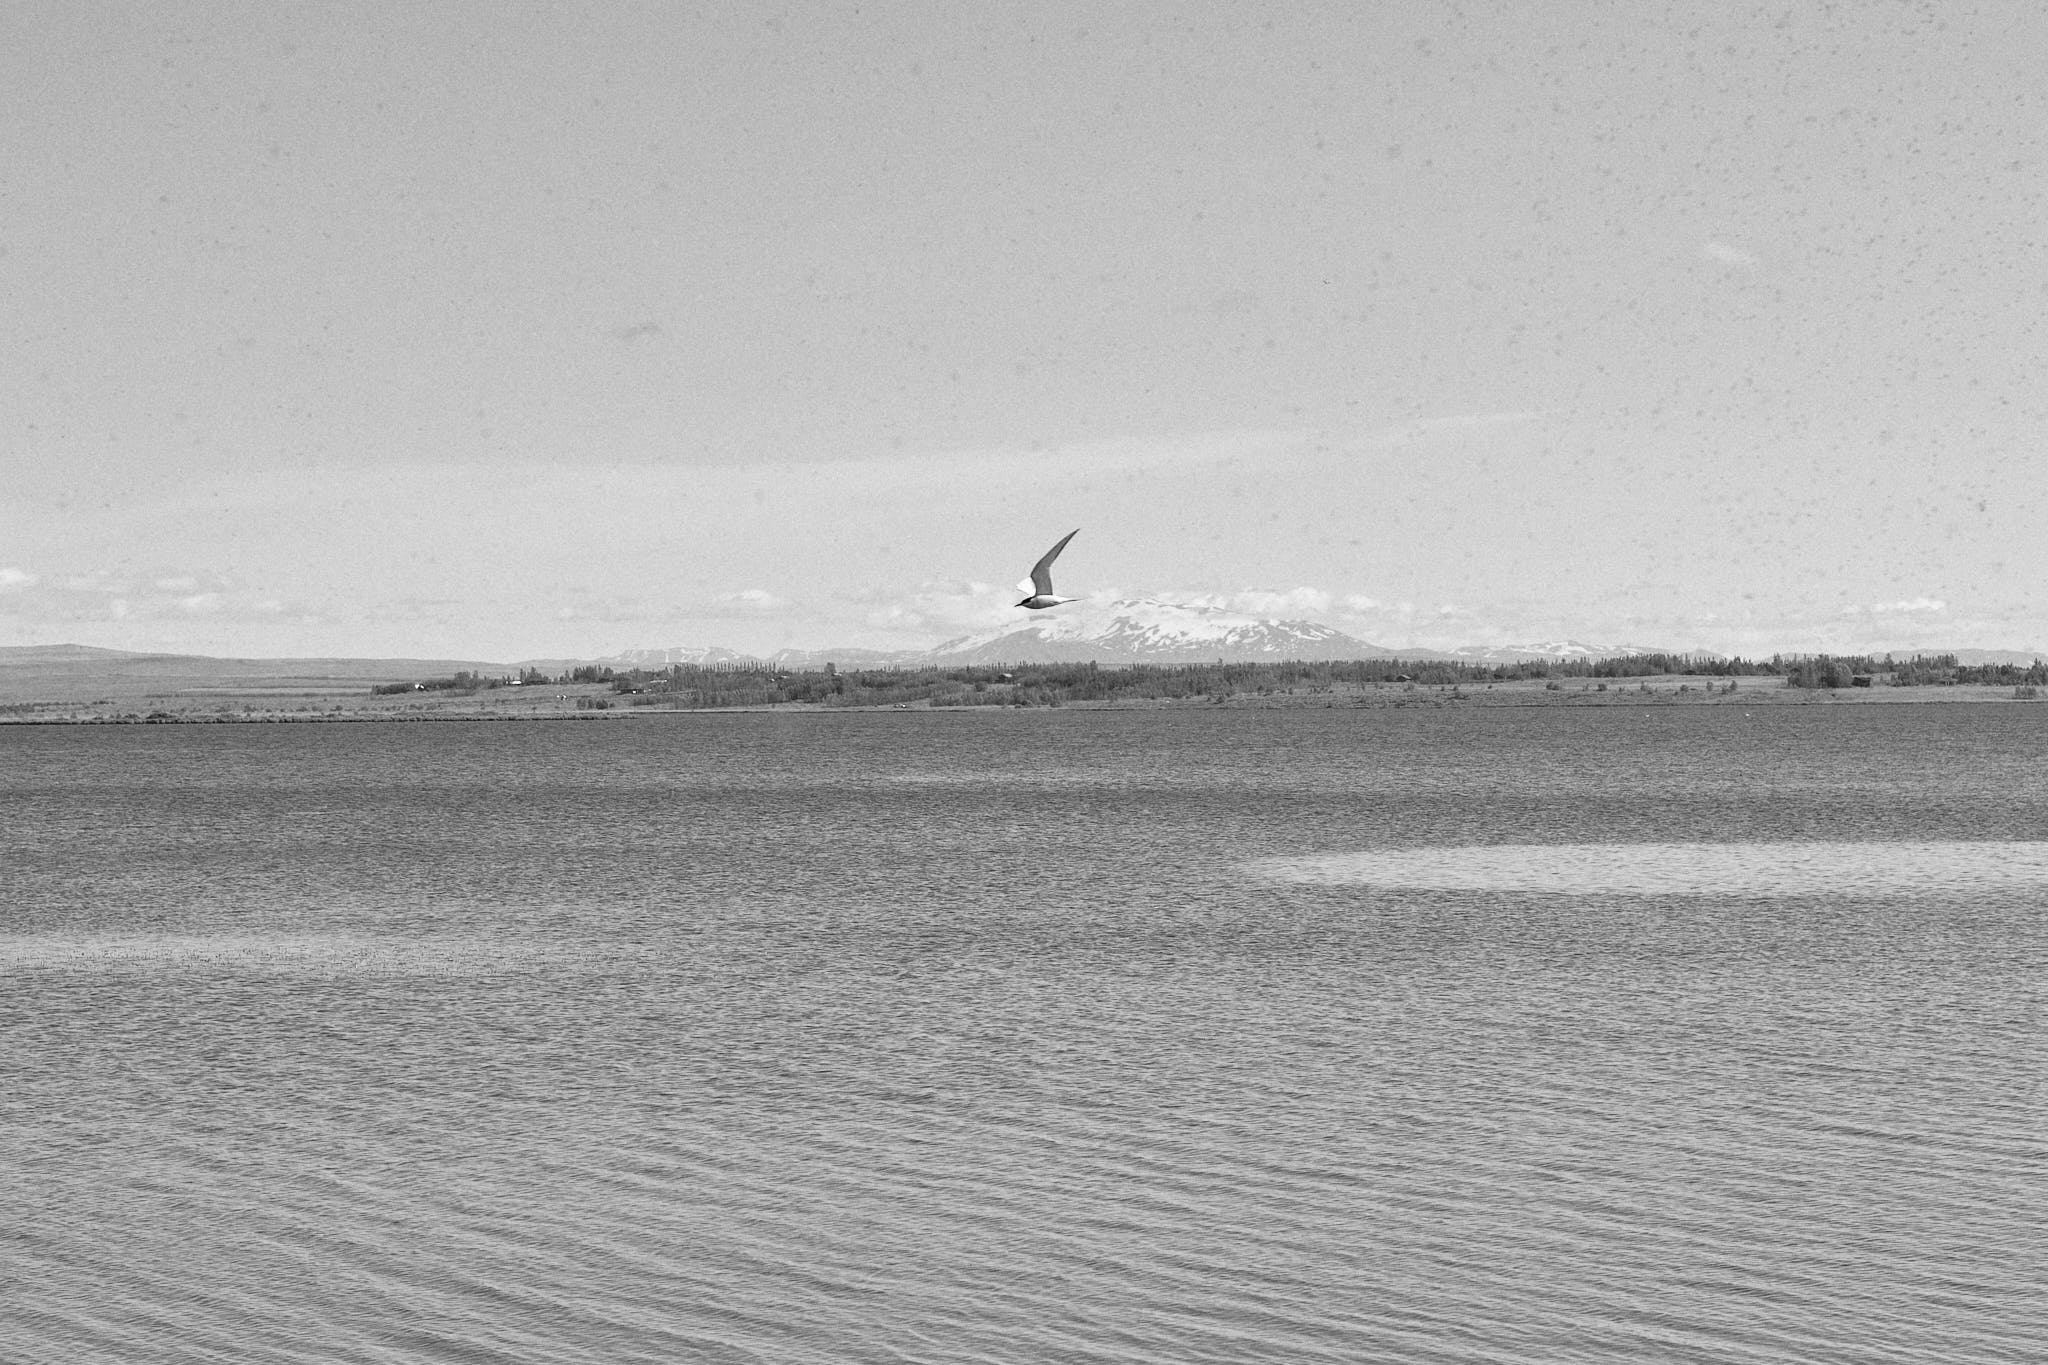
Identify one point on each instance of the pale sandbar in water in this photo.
(317, 954)
(1748, 870)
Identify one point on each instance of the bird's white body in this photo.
(1039, 585)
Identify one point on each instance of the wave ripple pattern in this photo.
(1750, 870)
(927, 1038)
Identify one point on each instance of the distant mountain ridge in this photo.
(1142, 631)
(1131, 631)
(1113, 634)
(31, 672)
(1125, 632)
(709, 656)
(1553, 652)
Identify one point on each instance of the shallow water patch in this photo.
(1750, 870)
(295, 954)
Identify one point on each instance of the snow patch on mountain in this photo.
(1145, 631)
(1553, 651)
(705, 657)
(1129, 631)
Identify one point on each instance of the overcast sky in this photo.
(505, 330)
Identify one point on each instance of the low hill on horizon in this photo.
(79, 672)
(1124, 633)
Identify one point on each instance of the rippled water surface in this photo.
(1537, 1035)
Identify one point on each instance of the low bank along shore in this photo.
(602, 703)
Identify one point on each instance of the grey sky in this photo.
(512, 330)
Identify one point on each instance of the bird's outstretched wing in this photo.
(1041, 572)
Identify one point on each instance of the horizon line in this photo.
(892, 657)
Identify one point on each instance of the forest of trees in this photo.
(690, 687)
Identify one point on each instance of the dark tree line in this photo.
(688, 686)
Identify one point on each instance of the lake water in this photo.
(1185, 1035)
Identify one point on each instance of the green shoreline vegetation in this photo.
(683, 686)
(594, 691)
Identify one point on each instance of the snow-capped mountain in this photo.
(1127, 632)
(1556, 651)
(680, 654)
(1131, 631)
(705, 656)
(1153, 632)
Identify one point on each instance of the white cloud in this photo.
(98, 596)
(914, 551)
(1462, 421)
(1357, 604)
(1727, 255)
(948, 609)
(1287, 603)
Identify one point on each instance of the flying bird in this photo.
(1039, 585)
